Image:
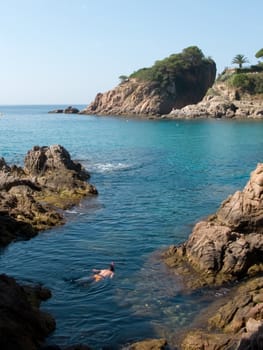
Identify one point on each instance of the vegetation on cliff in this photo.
(247, 80)
(174, 67)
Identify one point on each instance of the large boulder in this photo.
(31, 196)
(228, 245)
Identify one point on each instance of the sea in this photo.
(156, 179)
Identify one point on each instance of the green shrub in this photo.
(248, 82)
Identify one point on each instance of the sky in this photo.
(66, 51)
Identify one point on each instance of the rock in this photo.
(200, 340)
(228, 245)
(71, 110)
(235, 324)
(42, 161)
(31, 196)
(148, 344)
(56, 111)
(22, 325)
(68, 110)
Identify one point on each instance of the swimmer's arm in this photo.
(95, 270)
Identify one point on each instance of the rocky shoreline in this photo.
(227, 247)
(223, 250)
(31, 200)
(222, 102)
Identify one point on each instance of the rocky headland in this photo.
(32, 197)
(174, 82)
(222, 250)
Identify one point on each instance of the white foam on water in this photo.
(109, 167)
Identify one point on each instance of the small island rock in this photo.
(68, 110)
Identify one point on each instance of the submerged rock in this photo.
(148, 344)
(228, 245)
(31, 196)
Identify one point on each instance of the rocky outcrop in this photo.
(22, 325)
(71, 110)
(174, 82)
(146, 98)
(224, 248)
(68, 110)
(228, 245)
(130, 98)
(236, 321)
(31, 196)
(222, 101)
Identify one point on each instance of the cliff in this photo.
(174, 82)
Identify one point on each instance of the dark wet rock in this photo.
(71, 110)
(22, 325)
(68, 110)
(31, 196)
(228, 245)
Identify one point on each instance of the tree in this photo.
(240, 60)
(259, 54)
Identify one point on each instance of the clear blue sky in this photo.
(65, 51)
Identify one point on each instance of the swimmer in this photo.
(105, 273)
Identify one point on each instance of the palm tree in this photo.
(259, 54)
(240, 60)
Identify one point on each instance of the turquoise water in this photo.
(155, 180)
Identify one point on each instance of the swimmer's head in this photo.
(112, 268)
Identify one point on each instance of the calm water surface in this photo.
(155, 180)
